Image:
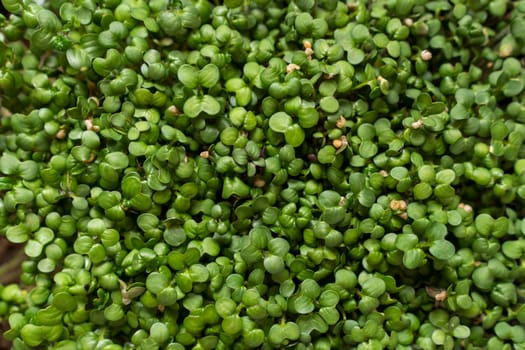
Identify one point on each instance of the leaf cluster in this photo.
(264, 174)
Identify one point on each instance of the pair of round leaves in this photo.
(193, 78)
(440, 337)
(243, 93)
(282, 123)
(278, 333)
(195, 105)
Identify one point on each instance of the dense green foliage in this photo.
(264, 174)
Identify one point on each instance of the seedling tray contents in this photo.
(262, 174)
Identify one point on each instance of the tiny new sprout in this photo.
(308, 49)
(173, 110)
(61, 134)
(504, 52)
(340, 144)
(426, 55)
(465, 207)
(439, 295)
(90, 126)
(416, 124)
(259, 182)
(129, 294)
(292, 67)
(400, 205)
(341, 122)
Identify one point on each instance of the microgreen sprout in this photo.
(426, 55)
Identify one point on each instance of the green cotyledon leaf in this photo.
(195, 105)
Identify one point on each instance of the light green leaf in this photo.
(330, 315)
(210, 105)
(277, 334)
(29, 170)
(23, 195)
(393, 48)
(461, 332)
(208, 75)
(33, 248)
(459, 112)
(174, 236)
(422, 191)
(78, 58)
(18, 233)
(117, 160)
(294, 135)
(156, 281)
(406, 241)
(9, 164)
(33, 335)
(13, 6)
(329, 104)
(308, 117)
(64, 301)
(366, 197)
(446, 176)
(329, 298)
(199, 273)
(512, 87)
(188, 75)
(442, 249)
(195, 105)
(274, 264)
(465, 97)
(280, 122)
(311, 322)
(367, 149)
(373, 287)
(414, 258)
(287, 288)
(304, 305)
(399, 173)
(355, 56)
(438, 337)
(114, 312)
(360, 33)
(48, 20)
(513, 249)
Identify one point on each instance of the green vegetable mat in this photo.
(263, 174)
